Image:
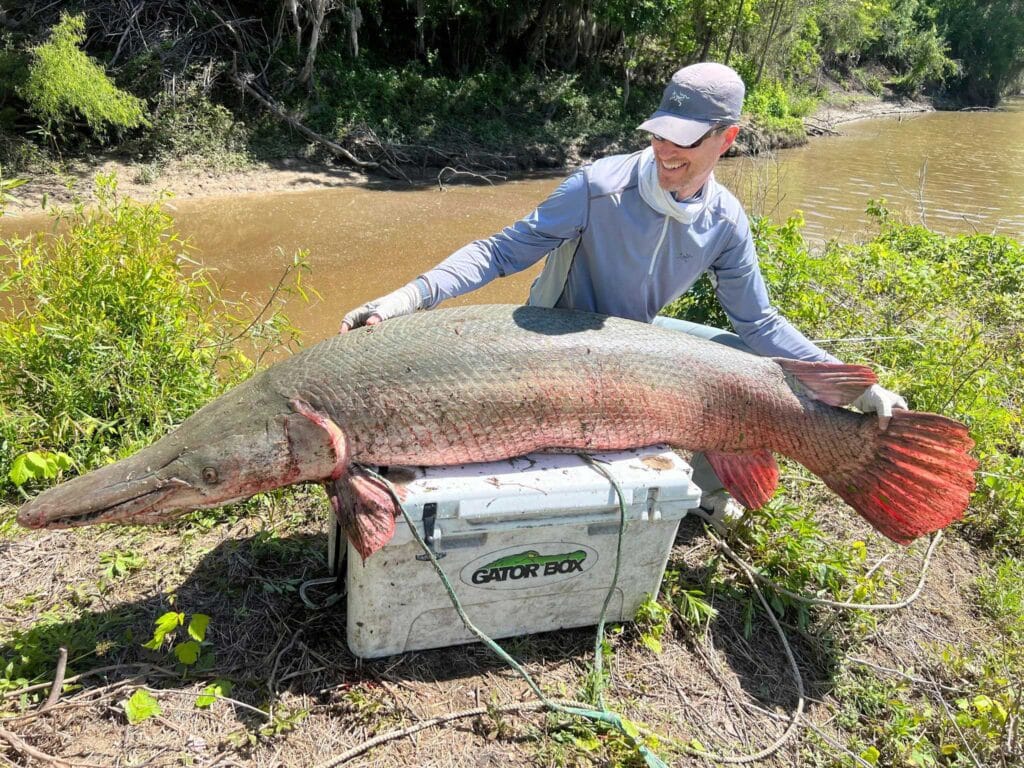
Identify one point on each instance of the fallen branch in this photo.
(245, 84)
(457, 172)
(24, 748)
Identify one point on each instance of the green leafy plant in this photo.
(118, 564)
(217, 689)
(64, 84)
(37, 466)
(652, 619)
(141, 706)
(189, 652)
(109, 336)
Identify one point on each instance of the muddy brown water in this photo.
(956, 172)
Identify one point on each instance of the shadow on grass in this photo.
(267, 642)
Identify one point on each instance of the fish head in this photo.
(224, 453)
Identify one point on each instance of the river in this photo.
(955, 172)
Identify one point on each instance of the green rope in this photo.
(603, 715)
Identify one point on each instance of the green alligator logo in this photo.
(528, 565)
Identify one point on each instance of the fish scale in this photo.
(484, 383)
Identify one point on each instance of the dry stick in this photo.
(811, 726)
(457, 172)
(217, 696)
(794, 722)
(904, 675)
(90, 673)
(336, 149)
(439, 720)
(24, 748)
(58, 680)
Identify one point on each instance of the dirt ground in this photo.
(300, 698)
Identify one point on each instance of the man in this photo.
(630, 233)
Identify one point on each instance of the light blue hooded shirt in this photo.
(627, 262)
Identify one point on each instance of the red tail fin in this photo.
(920, 478)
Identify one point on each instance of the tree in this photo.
(987, 38)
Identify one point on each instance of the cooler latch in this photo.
(429, 518)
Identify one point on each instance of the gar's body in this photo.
(488, 382)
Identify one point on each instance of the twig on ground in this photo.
(58, 680)
(399, 733)
(24, 748)
(840, 604)
(217, 696)
(142, 666)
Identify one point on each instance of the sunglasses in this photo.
(697, 143)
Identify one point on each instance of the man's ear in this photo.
(728, 137)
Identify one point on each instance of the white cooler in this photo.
(528, 545)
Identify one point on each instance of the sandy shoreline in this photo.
(188, 180)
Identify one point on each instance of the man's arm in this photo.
(562, 216)
(743, 295)
(742, 292)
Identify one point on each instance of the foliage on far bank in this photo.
(108, 335)
(435, 84)
(64, 87)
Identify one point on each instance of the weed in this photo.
(195, 651)
(118, 564)
(1002, 597)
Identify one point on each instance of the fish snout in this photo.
(87, 500)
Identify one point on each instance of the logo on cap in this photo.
(678, 98)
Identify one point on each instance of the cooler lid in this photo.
(544, 484)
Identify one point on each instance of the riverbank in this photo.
(190, 179)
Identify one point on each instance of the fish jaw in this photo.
(197, 468)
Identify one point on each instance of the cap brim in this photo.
(679, 130)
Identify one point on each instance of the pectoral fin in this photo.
(751, 478)
(365, 510)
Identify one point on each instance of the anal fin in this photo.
(751, 477)
(365, 510)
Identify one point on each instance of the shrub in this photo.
(104, 341)
(63, 84)
(187, 124)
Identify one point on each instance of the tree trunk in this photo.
(735, 29)
(776, 15)
(319, 11)
(355, 21)
(421, 21)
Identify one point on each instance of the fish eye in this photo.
(210, 475)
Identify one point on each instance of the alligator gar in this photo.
(483, 383)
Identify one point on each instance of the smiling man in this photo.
(629, 234)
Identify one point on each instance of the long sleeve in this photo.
(562, 216)
(744, 297)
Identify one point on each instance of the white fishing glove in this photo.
(878, 399)
(404, 301)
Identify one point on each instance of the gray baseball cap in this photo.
(697, 98)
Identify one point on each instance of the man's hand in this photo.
(877, 399)
(404, 301)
